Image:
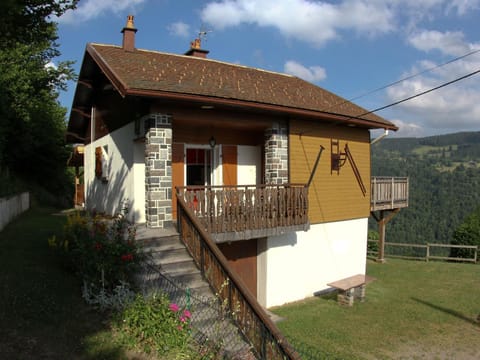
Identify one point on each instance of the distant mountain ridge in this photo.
(444, 175)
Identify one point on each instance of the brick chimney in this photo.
(195, 49)
(128, 32)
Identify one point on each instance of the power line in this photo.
(412, 76)
(421, 93)
(402, 80)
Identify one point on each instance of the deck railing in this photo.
(389, 193)
(267, 341)
(248, 211)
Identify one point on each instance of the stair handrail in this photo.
(259, 328)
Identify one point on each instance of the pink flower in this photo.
(187, 314)
(174, 307)
(179, 327)
(182, 319)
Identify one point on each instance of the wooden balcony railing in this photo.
(389, 193)
(241, 306)
(248, 211)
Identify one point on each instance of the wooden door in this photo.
(177, 173)
(229, 164)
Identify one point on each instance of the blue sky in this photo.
(349, 47)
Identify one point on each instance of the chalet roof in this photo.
(163, 75)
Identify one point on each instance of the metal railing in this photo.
(248, 211)
(389, 193)
(210, 327)
(252, 320)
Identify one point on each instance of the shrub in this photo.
(372, 247)
(467, 233)
(102, 251)
(153, 324)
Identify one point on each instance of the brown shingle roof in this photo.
(149, 71)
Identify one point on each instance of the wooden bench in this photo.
(351, 288)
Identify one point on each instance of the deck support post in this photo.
(384, 217)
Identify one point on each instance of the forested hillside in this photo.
(444, 173)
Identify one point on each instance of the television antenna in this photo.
(203, 32)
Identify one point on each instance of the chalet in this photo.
(275, 169)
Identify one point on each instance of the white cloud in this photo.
(449, 108)
(463, 6)
(449, 42)
(313, 22)
(51, 65)
(179, 28)
(408, 129)
(319, 22)
(91, 9)
(311, 73)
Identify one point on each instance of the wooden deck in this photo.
(389, 193)
(231, 213)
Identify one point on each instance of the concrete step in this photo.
(169, 256)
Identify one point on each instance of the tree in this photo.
(468, 233)
(32, 122)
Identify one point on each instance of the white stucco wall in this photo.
(294, 266)
(249, 163)
(126, 175)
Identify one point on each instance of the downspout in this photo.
(379, 137)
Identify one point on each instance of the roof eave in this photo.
(248, 105)
(117, 83)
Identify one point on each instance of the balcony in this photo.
(389, 193)
(231, 213)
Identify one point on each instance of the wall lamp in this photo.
(212, 142)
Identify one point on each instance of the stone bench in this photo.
(351, 288)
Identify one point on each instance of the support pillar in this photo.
(276, 154)
(382, 221)
(158, 170)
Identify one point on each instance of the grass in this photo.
(42, 314)
(414, 310)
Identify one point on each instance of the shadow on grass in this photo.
(447, 311)
(42, 313)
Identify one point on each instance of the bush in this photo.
(102, 251)
(9, 186)
(467, 233)
(154, 324)
(372, 247)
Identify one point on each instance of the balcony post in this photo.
(276, 154)
(158, 178)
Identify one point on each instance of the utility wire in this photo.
(420, 94)
(412, 76)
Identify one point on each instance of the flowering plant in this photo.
(155, 324)
(102, 251)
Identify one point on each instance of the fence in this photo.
(251, 319)
(211, 326)
(12, 206)
(248, 211)
(426, 251)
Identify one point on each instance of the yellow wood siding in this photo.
(332, 196)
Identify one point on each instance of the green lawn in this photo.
(414, 310)
(42, 314)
